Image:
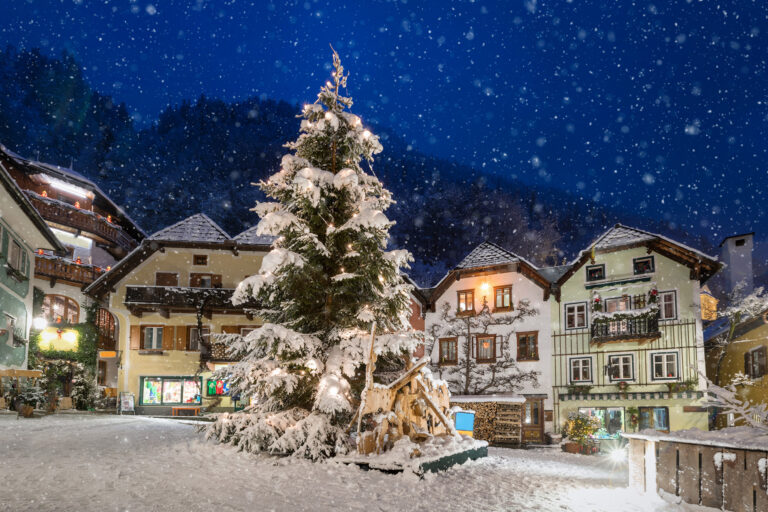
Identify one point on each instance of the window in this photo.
(576, 315)
(621, 367)
(448, 351)
(503, 298)
(194, 340)
(528, 346)
(200, 259)
(466, 301)
(656, 418)
(170, 390)
(643, 265)
(581, 369)
(58, 309)
(166, 279)
(639, 301)
(101, 379)
(532, 412)
(611, 420)
(596, 273)
(668, 305)
(152, 338)
(205, 280)
(486, 348)
(664, 365)
(16, 256)
(741, 242)
(617, 304)
(244, 331)
(754, 362)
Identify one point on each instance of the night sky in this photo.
(659, 108)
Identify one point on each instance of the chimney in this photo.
(736, 253)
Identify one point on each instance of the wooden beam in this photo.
(165, 312)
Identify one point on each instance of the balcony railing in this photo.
(179, 297)
(628, 329)
(66, 270)
(84, 220)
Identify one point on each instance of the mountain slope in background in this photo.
(203, 156)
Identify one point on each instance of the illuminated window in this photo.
(466, 301)
(503, 297)
(448, 351)
(617, 304)
(58, 309)
(596, 273)
(656, 418)
(486, 348)
(643, 265)
(170, 390)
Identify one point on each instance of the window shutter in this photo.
(168, 337)
(230, 329)
(473, 346)
(181, 337)
(216, 280)
(762, 356)
(194, 280)
(135, 342)
(748, 364)
(497, 346)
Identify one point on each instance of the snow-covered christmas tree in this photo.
(327, 279)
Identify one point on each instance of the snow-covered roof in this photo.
(734, 437)
(716, 328)
(197, 228)
(487, 254)
(552, 274)
(249, 236)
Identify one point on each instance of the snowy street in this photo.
(81, 462)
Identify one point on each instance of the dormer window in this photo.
(643, 265)
(596, 273)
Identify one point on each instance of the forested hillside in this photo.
(204, 154)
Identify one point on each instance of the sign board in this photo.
(126, 403)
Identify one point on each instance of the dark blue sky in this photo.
(659, 108)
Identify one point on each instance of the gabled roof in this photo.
(249, 236)
(34, 216)
(74, 177)
(197, 228)
(489, 257)
(552, 274)
(487, 254)
(621, 237)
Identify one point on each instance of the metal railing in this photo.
(628, 328)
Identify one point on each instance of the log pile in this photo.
(495, 422)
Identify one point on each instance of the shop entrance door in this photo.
(533, 420)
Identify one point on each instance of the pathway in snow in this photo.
(102, 463)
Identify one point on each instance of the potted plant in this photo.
(579, 430)
(623, 386)
(633, 417)
(578, 389)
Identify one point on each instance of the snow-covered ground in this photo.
(102, 463)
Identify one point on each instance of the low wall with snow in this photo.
(725, 469)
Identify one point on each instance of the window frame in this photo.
(441, 361)
(661, 304)
(565, 315)
(163, 378)
(652, 368)
(619, 300)
(204, 259)
(19, 263)
(491, 337)
(590, 267)
(631, 378)
(496, 307)
(143, 335)
(635, 261)
(751, 354)
(528, 335)
(459, 302)
(190, 329)
(652, 408)
(571, 360)
(69, 303)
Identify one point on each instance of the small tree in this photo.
(741, 307)
(728, 401)
(469, 377)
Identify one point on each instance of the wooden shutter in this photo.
(135, 342)
(748, 364)
(496, 347)
(761, 353)
(166, 279)
(168, 337)
(216, 280)
(181, 337)
(194, 280)
(230, 329)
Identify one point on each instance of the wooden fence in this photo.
(722, 477)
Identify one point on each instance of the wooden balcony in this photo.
(64, 214)
(641, 329)
(178, 299)
(60, 269)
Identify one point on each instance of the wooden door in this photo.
(533, 420)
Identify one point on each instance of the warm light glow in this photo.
(328, 115)
(485, 287)
(366, 134)
(70, 189)
(39, 323)
(52, 338)
(618, 455)
(107, 354)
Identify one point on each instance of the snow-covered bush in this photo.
(327, 279)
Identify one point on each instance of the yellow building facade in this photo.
(180, 275)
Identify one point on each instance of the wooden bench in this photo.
(176, 410)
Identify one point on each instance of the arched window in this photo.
(58, 309)
(105, 323)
